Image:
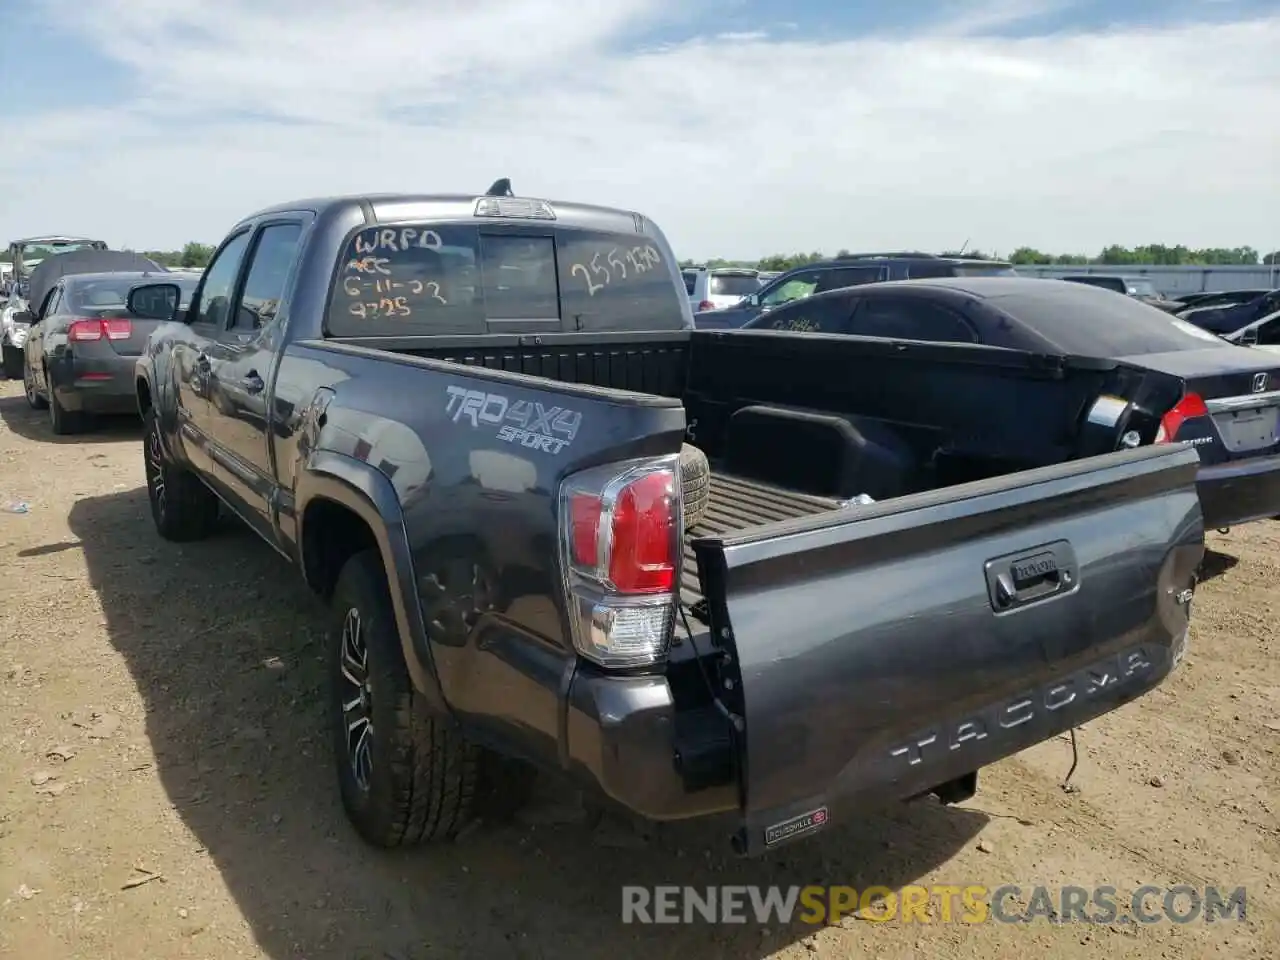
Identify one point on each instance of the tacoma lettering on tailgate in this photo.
(528, 424)
(1082, 685)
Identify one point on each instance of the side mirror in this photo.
(155, 301)
(1249, 337)
(751, 300)
(24, 317)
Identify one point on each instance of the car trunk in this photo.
(1241, 390)
(858, 651)
(126, 334)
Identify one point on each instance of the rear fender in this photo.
(368, 493)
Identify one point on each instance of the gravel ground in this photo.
(166, 786)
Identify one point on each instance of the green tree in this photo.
(196, 255)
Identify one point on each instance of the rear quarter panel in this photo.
(475, 458)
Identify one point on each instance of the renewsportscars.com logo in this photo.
(971, 904)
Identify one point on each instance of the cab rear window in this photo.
(458, 279)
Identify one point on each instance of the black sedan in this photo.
(80, 353)
(1228, 395)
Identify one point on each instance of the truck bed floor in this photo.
(736, 504)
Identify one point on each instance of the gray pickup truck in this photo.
(474, 422)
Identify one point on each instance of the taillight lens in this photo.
(621, 531)
(85, 331)
(1189, 407)
(706, 305)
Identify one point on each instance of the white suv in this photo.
(719, 287)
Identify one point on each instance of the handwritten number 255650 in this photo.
(598, 275)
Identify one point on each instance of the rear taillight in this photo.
(1189, 407)
(85, 331)
(621, 535)
(706, 305)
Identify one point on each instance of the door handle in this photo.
(252, 383)
(1019, 579)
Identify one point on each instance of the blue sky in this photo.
(743, 126)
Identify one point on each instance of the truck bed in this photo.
(736, 503)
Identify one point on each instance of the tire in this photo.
(34, 399)
(13, 362)
(695, 484)
(182, 507)
(406, 775)
(62, 421)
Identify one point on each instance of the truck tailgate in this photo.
(880, 652)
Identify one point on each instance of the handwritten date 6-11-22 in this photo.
(615, 265)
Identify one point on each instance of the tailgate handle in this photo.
(1016, 580)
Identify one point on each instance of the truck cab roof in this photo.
(400, 207)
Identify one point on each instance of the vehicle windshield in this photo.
(1101, 325)
(111, 295)
(733, 284)
(32, 251)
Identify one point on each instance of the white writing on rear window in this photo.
(615, 265)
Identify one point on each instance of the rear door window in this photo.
(690, 281)
(849, 277)
(906, 318)
(809, 315)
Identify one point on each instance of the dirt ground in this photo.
(166, 786)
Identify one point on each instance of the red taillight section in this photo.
(1189, 407)
(86, 331)
(706, 305)
(639, 538)
(642, 558)
(83, 331)
(121, 329)
(622, 542)
(584, 528)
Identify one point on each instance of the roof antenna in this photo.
(965, 245)
(500, 188)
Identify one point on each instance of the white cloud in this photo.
(738, 144)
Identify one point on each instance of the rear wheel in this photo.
(13, 362)
(182, 507)
(62, 421)
(406, 775)
(34, 399)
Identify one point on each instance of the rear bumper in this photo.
(1239, 492)
(94, 385)
(627, 738)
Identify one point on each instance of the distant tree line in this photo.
(192, 255)
(1154, 254)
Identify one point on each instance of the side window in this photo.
(219, 280)
(924, 270)
(273, 255)
(1269, 334)
(848, 277)
(617, 281)
(820, 315)
(52, 303)
(900, 318)
(793, 288)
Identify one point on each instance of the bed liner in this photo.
(736, 503)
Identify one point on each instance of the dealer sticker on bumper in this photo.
(796, 826)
